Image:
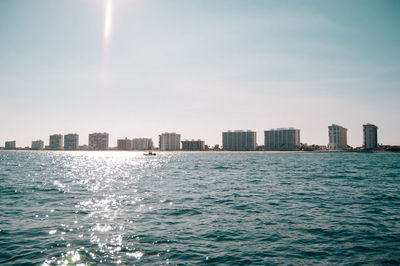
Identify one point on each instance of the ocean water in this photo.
(199, 208)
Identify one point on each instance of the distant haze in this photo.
(140, 68)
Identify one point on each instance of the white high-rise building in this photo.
(370, 136)
(282, 139)
(239, 140)
(142, 144)
(56, 142)
(170, 141)
(37, 145)
(98, 141)
(337, 137)
(71, 142)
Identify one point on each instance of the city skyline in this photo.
(274, 139)
(140, 68)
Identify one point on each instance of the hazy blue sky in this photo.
(198, 68)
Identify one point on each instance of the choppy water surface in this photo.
(194, 208)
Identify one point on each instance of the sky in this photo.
(138, 68)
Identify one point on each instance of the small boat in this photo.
(150, 154)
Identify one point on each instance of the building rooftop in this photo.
(288, 128)
(240, 130)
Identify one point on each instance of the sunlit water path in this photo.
(193, 208)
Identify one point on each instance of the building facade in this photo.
(71, 142)
(370, 136)
(37, 145)
(337, 137)
(98, 141)
(239, 140)
(142, 144)
(193, 145)
(10, 145)
(169, 141)
(56, 142)
(282, 139)
(124, 144)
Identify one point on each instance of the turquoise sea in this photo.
(199, 208)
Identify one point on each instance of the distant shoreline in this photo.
(207, 151)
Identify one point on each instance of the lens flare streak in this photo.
(107, 21)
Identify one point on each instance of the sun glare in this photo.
(107, 22)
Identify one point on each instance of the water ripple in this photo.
(189, 208)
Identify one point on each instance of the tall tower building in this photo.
(170, 141)
(10, 145)
(98, 141)
(239, 140)
(337, 137)
(142, 144)
(282, 139)
(71, 142)
(124, 144)
(56, 142)
(370, 136)
(37, 145)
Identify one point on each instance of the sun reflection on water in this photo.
(108, 200)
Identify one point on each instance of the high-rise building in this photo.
(170, 141)
(193, 145)
(239, 140)
(282, 139)
(98, 141)
(37, 145)
(56, 142)
(142, 144)
(370, 136)
(337, 137)
(71, 142)
(10, 145)
(124, 144)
